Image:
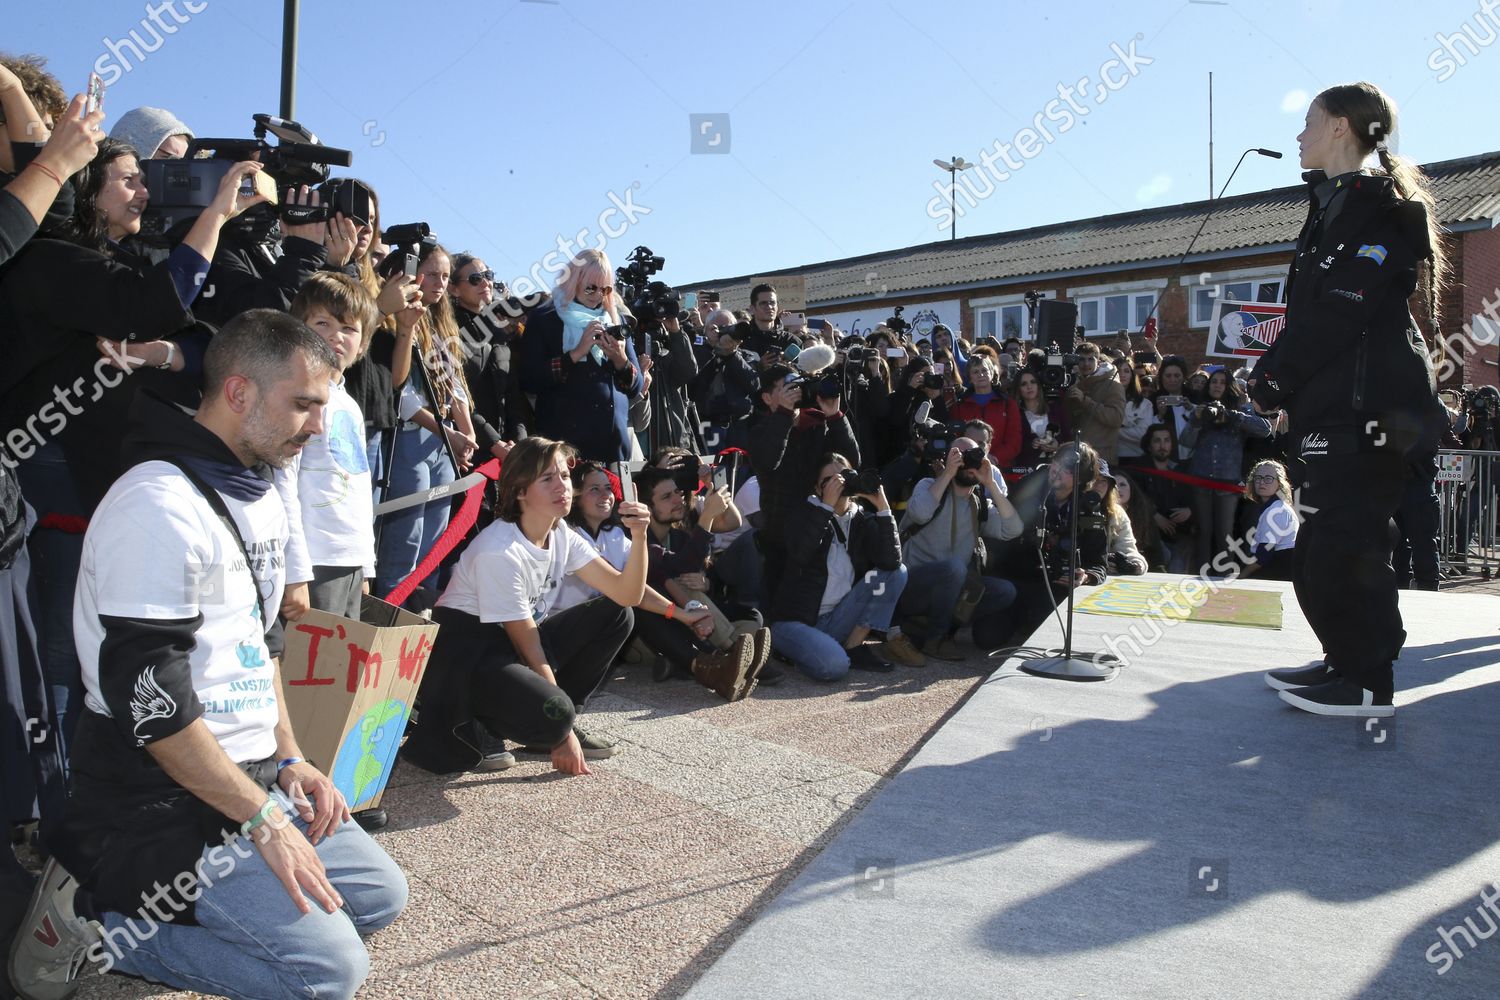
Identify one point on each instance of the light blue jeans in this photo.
(818, 651)
(251, 941)
(420, 463)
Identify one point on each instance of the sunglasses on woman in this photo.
(480, 277)
(598, 289)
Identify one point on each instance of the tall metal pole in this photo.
(289, 59)
(953, 200)
(1210, 134)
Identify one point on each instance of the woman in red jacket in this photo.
(988, 403)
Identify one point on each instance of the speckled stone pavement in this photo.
(630, 882)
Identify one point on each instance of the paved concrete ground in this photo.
(632, 881)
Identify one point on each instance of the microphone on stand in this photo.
(1211, 206)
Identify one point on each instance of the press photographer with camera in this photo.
(918, 384)
(726, 384)
(1096, 403)
(1173, 407)
(842, 577)
(669, 358)
(1045, 582)
(1217, 436)
(1171, 499)
(948, 517)
(1048, 425)
(580, 363)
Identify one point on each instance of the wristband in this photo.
(46, 170)
(171, 354)
(671, 611)
(282, 764)
(260, 817)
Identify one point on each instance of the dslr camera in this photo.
(858, 481)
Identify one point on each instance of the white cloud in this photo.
(1294, 101)
(1154, 188)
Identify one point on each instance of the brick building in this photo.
(1115, 267)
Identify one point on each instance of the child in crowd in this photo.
(330, 553)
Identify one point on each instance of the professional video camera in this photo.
(650, 301)
(896, 323)
(406, 242)
(1483, 402)
(816, 387)
(180, 190)
(940, 438)
(1059, 372)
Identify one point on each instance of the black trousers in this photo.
(475, 673)
(671, 639)
(1418, 521)
(1342, 563)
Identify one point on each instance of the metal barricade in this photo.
(1469, 539)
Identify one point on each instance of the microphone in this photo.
(815, 358)
(1211, 205)
(923, 411)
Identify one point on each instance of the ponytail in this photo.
(1372, 120)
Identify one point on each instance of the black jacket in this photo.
(491, 365)
(725, 387)
(873, 544)
(583, 403)
(55, 298)
(248, 273)
(785, 452)
(1351, 365)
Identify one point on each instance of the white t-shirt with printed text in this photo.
(503, 577)
(155, 549)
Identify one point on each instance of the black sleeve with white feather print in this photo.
(145, 677)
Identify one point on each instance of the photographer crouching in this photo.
(843, 577)
(947, 519)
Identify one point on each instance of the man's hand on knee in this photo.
(293, 859)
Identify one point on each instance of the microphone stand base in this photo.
(1077, 667)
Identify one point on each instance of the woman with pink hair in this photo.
(581, 364)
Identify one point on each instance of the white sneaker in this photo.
(53, 942)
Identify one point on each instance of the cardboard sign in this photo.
(1244, 329)
(349, 691)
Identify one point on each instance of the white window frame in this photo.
(1249, 275)
(1141, 289)
(997, 304)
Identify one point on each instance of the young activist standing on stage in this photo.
(1354, 374)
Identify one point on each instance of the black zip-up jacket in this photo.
(734, 396)
(873, 543)
(785, 450)
(252, 270)
(1351, 366)
(491, 367)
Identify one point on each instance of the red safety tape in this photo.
(69, 524)
(458, 526)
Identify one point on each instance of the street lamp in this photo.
(953, 167)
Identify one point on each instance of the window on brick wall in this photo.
(1267, 289)
(1101, 314)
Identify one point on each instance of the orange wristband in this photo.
(671, 610)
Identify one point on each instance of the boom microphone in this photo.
(1269, 152)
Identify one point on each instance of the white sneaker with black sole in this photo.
(1286, 680)
(1339, 698)
(53, 942)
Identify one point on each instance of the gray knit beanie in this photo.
(147, 128)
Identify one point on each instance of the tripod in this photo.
(388, 447)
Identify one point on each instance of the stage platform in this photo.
(1176, 832)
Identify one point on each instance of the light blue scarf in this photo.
(575, 319)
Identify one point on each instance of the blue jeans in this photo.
(818, 651)
(420, 463)
(251, 941)
(56, 555)
(935, 589)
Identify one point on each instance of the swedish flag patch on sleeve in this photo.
(1377, 253)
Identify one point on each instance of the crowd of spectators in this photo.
(198, 433)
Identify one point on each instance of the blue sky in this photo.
(512, 124)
